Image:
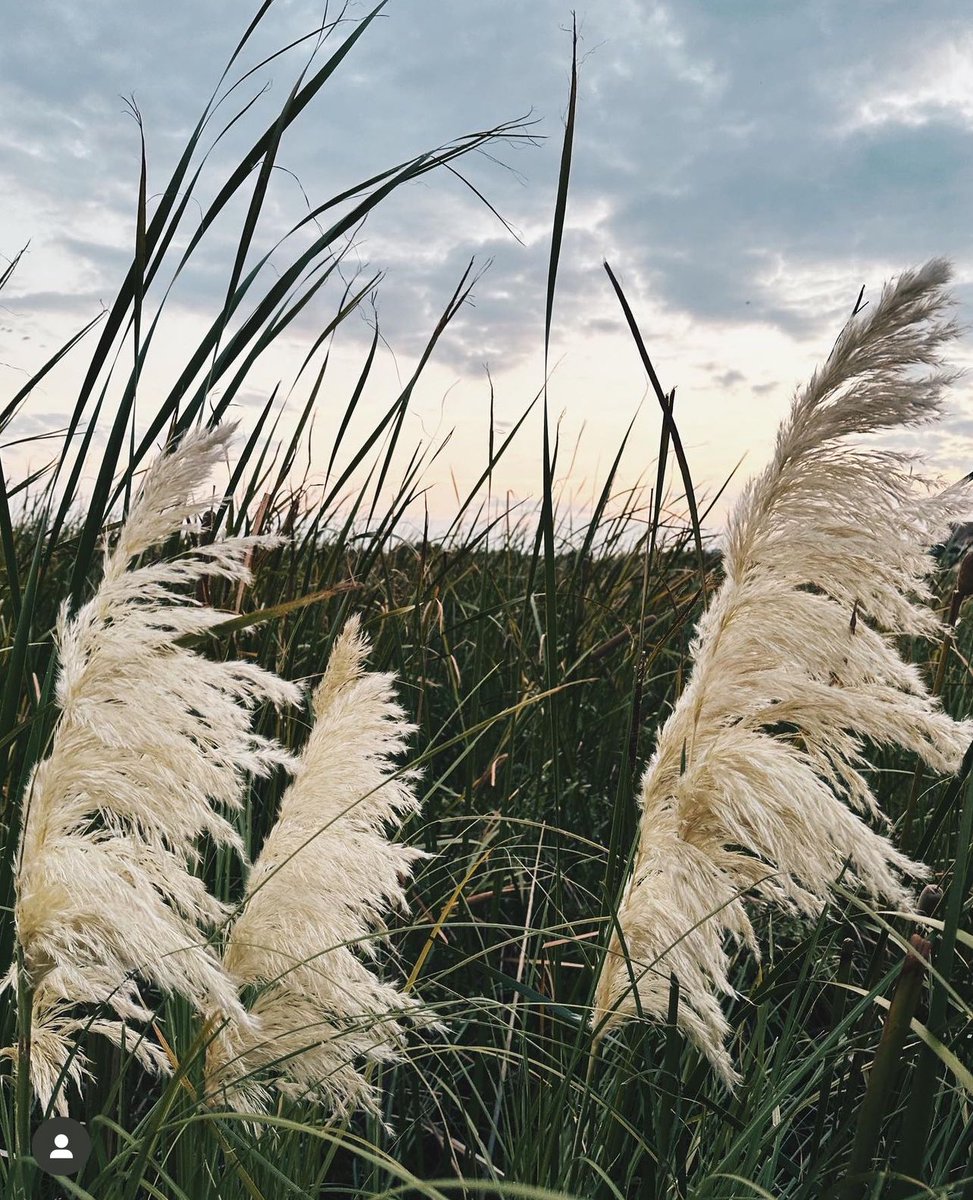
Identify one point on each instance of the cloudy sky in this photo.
(744, 167)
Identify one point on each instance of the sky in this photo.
(745, 169)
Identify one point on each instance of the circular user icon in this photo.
(61, 1146)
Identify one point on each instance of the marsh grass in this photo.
(536, 658)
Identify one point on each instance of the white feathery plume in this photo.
(315, 898)
(755, 784)
(152, 745)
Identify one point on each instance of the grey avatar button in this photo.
(61, 1146)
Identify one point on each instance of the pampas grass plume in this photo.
(307, 929)
(152, 748)
(755, 787)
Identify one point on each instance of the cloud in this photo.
(708, 155)
(743, 167)
(729, 378)
(932, 83)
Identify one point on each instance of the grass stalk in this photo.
(23, 1102)
(921, 1107)
(888, 1057)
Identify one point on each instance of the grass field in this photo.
(537, 657)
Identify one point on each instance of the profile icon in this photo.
(61, 1146)
(61, 1143)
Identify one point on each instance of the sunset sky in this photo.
(745, 168)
